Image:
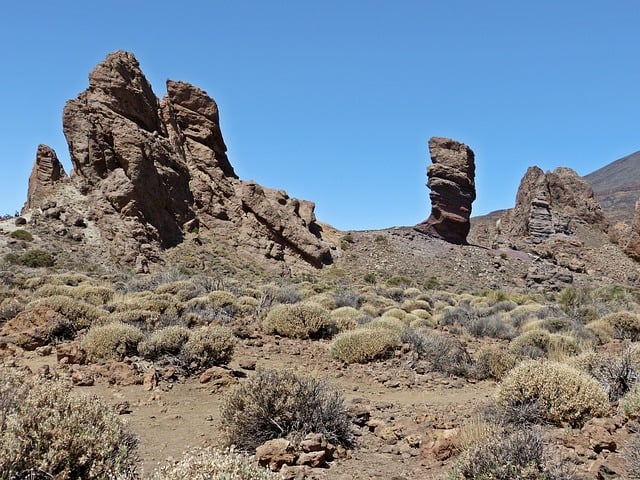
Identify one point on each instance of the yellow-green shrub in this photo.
(166, 341)
(113, 341)
(347, 318)
(563, 393)
(364, 345)
(301, 320)
(618, 325)
(207, 347)
(630, 403)
(80, 313)
(494, 362)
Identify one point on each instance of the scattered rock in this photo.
(274, 454)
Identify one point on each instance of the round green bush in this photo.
(36, 258)
(49, 431)
(207, 347)
(166, 341)
(364, 345)
(113, 341)
(302, 320)
(564, 394)
(20, 234)
(347, 318)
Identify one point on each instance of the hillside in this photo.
(617, 187)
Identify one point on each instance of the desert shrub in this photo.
(9, 308)
(36, 258)
(565, 394)
(207, 463)
(347, 298)
(455, 316)
(493, 362)
(80, 313)
(518, 455)
(302, 320)
(92, 294)
(348, 318)
(395, 313)
(207, 347)
(444, 353)
(166, 341)
(629, 404)
(113, 341)
(143, 319)
(616, 373)
(325, 300)
(52, 433)
(500, 307)
(21, 234)
(492, 326)
(542, 344)
(424, 314)
(415, 304)
(364, 345)
(420, 322)
(155, 302)
(275, 404)
(618, 325)
(387, 323)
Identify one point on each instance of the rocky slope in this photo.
(617, 187)
(148, 172)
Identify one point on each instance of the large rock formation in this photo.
(149, 171)
(46, 173)
(551, 203)
(452, 184)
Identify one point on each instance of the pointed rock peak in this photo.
(47, 171)
(452, 183)
(192, 98)
(119, 84)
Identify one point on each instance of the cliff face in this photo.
(149, 171)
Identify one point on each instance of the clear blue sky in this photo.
(334, 101)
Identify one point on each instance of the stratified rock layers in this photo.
(452, 183)
(150, 171)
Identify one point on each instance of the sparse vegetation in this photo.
(279, 403)
(20, 234)
(49, 432)
(564, 394)
(113, 341)
(364, 345)
(302, 320)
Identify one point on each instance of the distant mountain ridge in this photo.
(617, 187)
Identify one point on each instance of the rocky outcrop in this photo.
(551, 203)
(46, 173)
(630, 240)
(452, 183)
(150, 171)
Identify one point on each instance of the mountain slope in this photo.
(617, 187)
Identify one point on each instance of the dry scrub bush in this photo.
(182, 290)
(280, 404)
(493, 362)
(166, 341)
(113, 341)
(493, 326)
(629, 404)
(95, 295)
(617, 373)
(415, 304)
(161, 303)
(618, 325)
(364, 345)
(387, 323)
(144, 319)
(9, 308)
(348, 318)
(52, 433)
(631, 454)
(302, 320)
(542, 344)
(80, 313)
(210, 464)
(518, 455)
(444, 353)
(395, 313)
(324, 300)
(423, 314)
(207, 347)
(420, 322)
(565, 394)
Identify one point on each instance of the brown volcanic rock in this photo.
(47, 172)
(552, 203)
(631, 241)
(146, 172)
(452, 184)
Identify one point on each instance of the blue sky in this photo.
(335, 101)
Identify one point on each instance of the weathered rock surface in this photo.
(552, 203)
(631, 240)
(47, 171)
(452, 184)
(146, 172)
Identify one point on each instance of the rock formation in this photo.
(149, 171)
(452, 184)
(631, 240)
(552, 203)
(47, 171)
